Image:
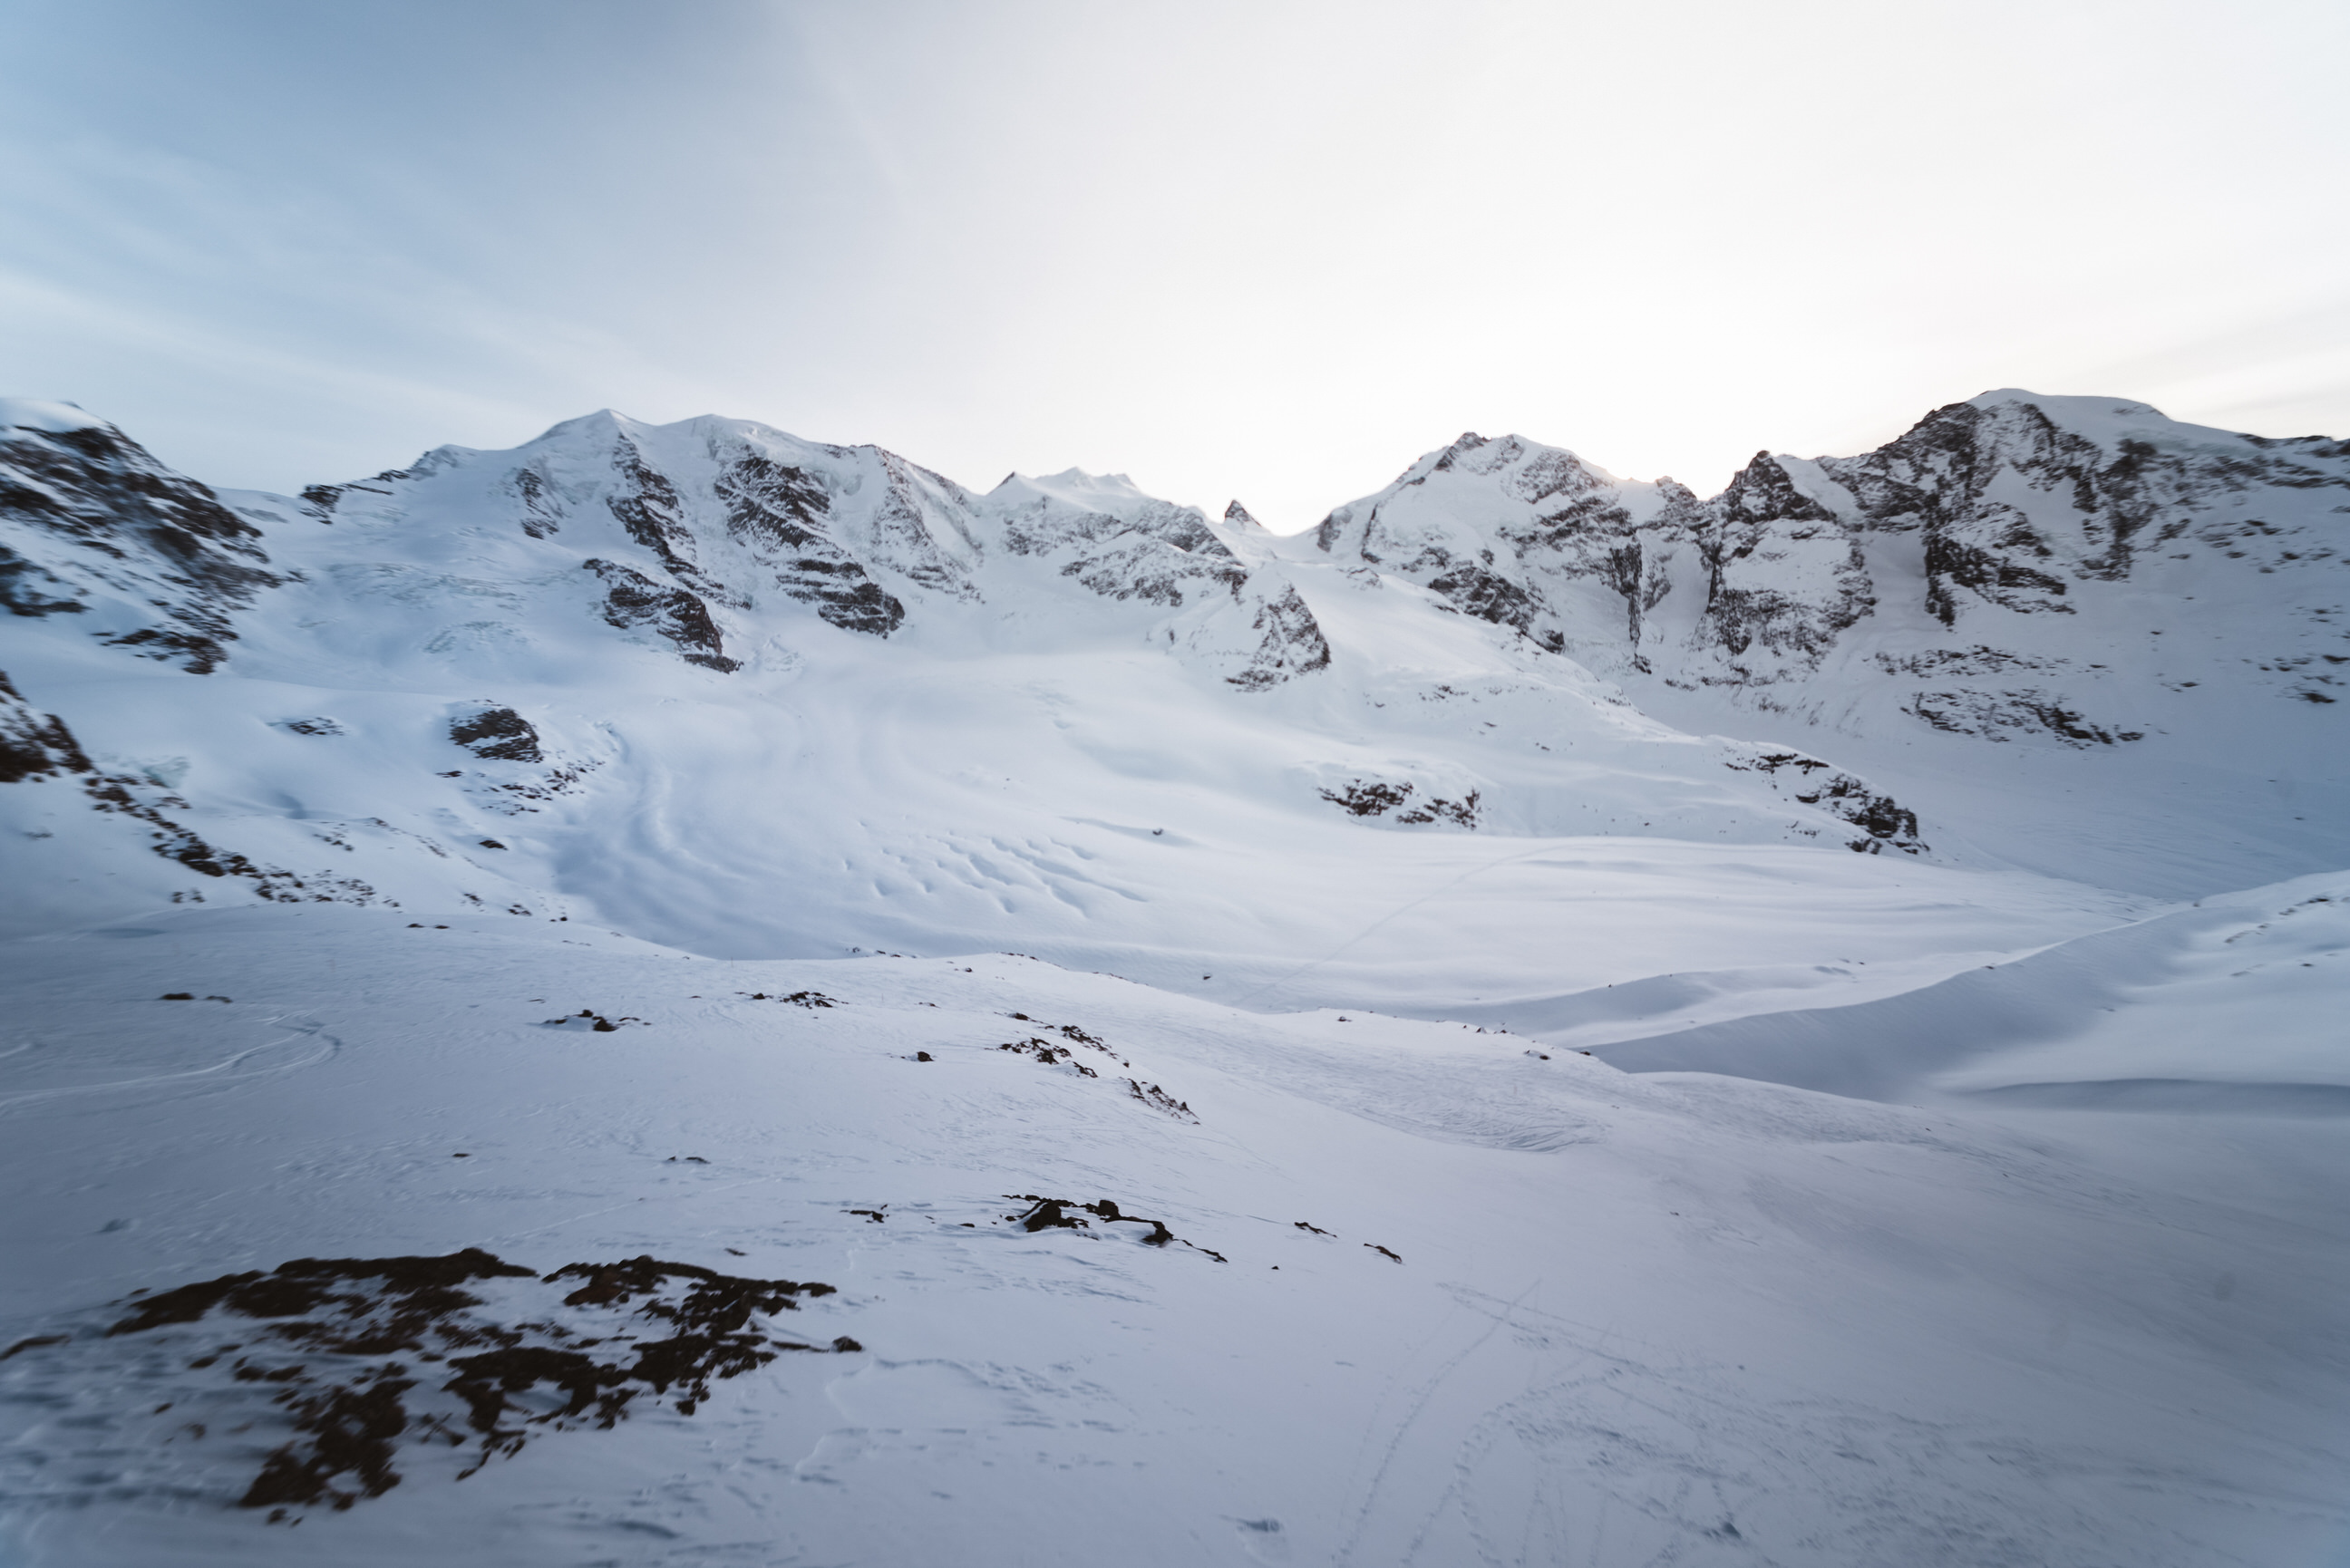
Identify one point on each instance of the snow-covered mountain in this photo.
(757, 695)
(597, 890)
(2052, 574)
(1987, 551)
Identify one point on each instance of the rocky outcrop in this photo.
(1885, 822)
(633, 601)
(649, 507)
(34, 744)
(1289, 644)
(1811, 586)
(1784, 576)
(92, 525)
(1403, 802)
(778, 512)
(36, 747)
(497, 734)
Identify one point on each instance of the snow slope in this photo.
(1627, 1319)
(1694, 998)
(2233, 1000)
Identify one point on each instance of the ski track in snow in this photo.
(318, 1048)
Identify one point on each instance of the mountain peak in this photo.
(1078, 479)
(1115, 495)
(2110, 422)
(2072, 411)
(56, 419)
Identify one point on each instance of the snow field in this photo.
(1559, 1146)
(1635, 1319)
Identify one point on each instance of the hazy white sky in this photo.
(1263, 250)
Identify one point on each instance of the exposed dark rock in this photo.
(352, 1428)
(781, 513)
(1461, 813)
(34, 1342)
(2008, 510)
(631, 600)
(351, 1412)
(28, 590)
(1887, 823)
(1064, 1213)
(913, 504)
(423, 1287)
(1474, 589)
(595, 1022)
(2002, 715)
(647, 506)
(497, 734)
(810, 999)
(1375, 797)
(1167, 555)
(121, 793)
(1155, 570)
(33, 745)
(1290, 644)
(89, 513)
(1766, 522)
(1368, 798)
(36, 746)
(1159, 1099)
(1050, 1054)
(542, 509)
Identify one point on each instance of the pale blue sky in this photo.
(1258, 250)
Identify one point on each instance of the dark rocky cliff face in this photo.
(34, 744)
(1809, 584)
(91, 525)
(2017, 511)
(1785, 575)
(779, 511)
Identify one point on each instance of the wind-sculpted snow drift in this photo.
(404, 877)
